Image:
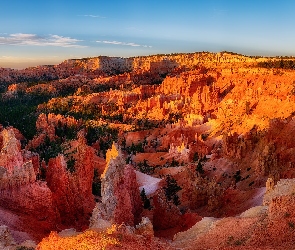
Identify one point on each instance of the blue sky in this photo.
(34, 32)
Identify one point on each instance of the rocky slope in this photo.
(189, 147)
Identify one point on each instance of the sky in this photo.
(35, 32)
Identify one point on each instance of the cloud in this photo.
(23, 39)
(93, 16)
(124, 44)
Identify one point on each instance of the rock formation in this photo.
(72, 192)
(252, 229)
(219, 124)
(20, 191)
(121, 202)
(6, 239)
(165, 214)
(114, 237)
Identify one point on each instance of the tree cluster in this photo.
(171, 190)
(277, 64)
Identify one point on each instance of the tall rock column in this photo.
(121, 202)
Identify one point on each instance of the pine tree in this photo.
(145, 200)
(171, 190)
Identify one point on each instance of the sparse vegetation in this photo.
(49, 149)
(20, 112)
(66, 132)
(287, 215)
(204, 136)
(196, 157)
(145, 200)
(235, 242)
(71, 164)
(171, 190)
(251, 183)
(200, 164)
(174, 163)
(96, 184)
(277, 64)
(135, 148)
(199, 167)
(103, 135)
(145, 168)
(237, 176)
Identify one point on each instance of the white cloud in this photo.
(124, 44)
(35, 40)
(93, 16)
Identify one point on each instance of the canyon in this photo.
(179, 151)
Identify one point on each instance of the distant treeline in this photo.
(277, 64)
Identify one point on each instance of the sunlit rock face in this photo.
(114, 237)
(121, 202)
(72, 190)
(65, 198)
(10, 155)
(46, 125)
(217, 123)
(20, 191)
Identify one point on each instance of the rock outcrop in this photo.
(121, 202)
(254, 228)
(10, 154)
(218, 123)
(20, 191)
(122, 237)
(72, 189)
(6, 239)
(145, 227)
(165, 214)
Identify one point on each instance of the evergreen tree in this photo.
(145, 200)
(171, 190)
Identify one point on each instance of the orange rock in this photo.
(72, 192)
(121, 202)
